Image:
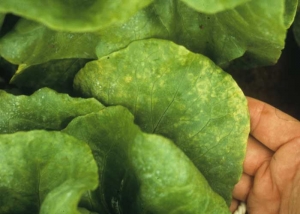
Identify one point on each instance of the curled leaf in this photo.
(180, 95)
(150, 174)
(45, 109)
(44, 172)
(56, 74)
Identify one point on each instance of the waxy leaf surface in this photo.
(180, 95)
(45, 109)
(44, 172)
(150, 174)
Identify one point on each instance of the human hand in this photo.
(270, 183)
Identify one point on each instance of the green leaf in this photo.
(57, 75)
(180, 95)
(150, 174)
(44, 171)
(76, 15)
(252, 34)
(45, 109)
(32, 43)
(290, 12)
(214, 5)
(224, 37)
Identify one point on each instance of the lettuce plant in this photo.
(124, 106)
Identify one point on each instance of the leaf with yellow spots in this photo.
(139, 172)
(45, 109)
(181, 95)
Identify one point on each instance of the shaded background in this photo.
(278, 85)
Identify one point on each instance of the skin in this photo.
(270, 183)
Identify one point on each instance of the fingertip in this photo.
(234, 205)
(243, 187)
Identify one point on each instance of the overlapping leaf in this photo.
(180, 95)
(224, 36)
(141, 173)
(45, 109)
(44, 172)
(75, 15)
(31, 43)
(56, 74)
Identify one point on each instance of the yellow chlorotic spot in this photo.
(128, 79)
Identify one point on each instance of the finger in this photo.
(243, 187)
(294, 197)
(264, 196)
(256, 154)
(271, 126)
(234, 205)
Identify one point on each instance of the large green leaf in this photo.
(252, 32)
(75, 15)
(213, 6)
(45, 109)
(56, 74)
(180, 95)
(32, 43)
(46, 171)
(141, 173)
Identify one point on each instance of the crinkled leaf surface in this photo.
(32, 43)
(56, 74)
(223, 37)
(45, 109)
(150, 174)
(46, 171)
(75, 15)
(253, 33)
(213, 6)
(180, 95)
